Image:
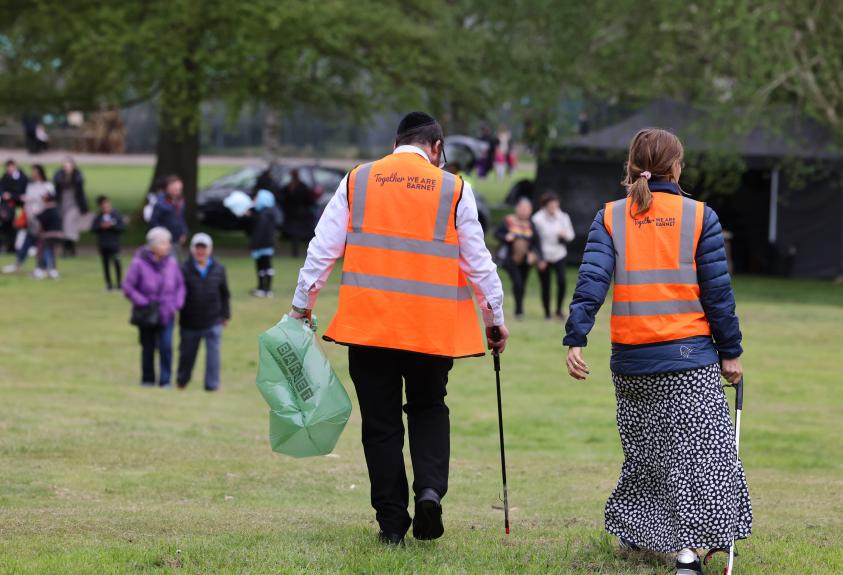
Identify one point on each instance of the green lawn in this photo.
(98, 475)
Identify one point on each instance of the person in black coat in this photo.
(297, 203)
(520, 249)
(206, 311)
(108, 226)
(12, 188)
(261, 227)
(72, 203)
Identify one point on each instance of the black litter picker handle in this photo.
(738, 393)
(496, 337)
(495, 334)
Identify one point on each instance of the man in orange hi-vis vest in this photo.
(414, 252)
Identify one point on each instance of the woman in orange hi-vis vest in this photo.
(674, 333)
(414, 253)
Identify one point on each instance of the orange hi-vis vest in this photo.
(656, 294)
(402, 287)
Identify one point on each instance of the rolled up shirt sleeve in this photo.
(476, 261)
(327, 246)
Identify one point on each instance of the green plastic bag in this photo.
(308, 406)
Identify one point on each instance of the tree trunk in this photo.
(177, 150)
(177, 153)
(271, 133)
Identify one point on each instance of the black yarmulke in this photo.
(415, 120)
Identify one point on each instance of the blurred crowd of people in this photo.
(38, 215)
(500, 157)
(527, 240)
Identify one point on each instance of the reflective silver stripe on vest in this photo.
(446, 198)
(686, 274)
(668, 307)
(410, 287)
(410, 245)
(358, 205)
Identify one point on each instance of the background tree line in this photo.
(459, 58)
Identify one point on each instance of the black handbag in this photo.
(145, 315)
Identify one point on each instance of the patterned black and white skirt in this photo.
(681, 484)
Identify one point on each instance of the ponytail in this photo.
(642, 197)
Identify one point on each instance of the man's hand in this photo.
(577, 367)
(499, 345)
(225, 322)
(298, 315)
(732, 370)
(542, 265)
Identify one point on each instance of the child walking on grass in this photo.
(109, 225)
(262, 236)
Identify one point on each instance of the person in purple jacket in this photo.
(155, 276)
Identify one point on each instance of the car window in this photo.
(242, 179)
(327, 179)
(281, 174)
(306, 176)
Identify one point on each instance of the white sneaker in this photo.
(688, 563)
(39, 274)
(10, 269)
(54, 274)
(258, 293)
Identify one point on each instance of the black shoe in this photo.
(391, 539)
(427, 522)
(694, 568)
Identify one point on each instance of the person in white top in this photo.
(385, 371)
(329, 245)
(555, 232)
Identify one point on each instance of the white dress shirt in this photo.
(475, 260)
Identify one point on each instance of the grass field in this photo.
(98, 475)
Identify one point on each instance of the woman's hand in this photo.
(577, 367)
(510, 237)
(732, 370)
(542, 265)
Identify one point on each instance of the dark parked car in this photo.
(211, 211)
(323, 181)
(465, 150)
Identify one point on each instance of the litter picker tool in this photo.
(496, 336)
(738, 409)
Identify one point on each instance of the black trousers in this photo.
(379, 376)
(8, 231)
(518, 274)
(111, 258)
(558, 269)
(263, 266)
